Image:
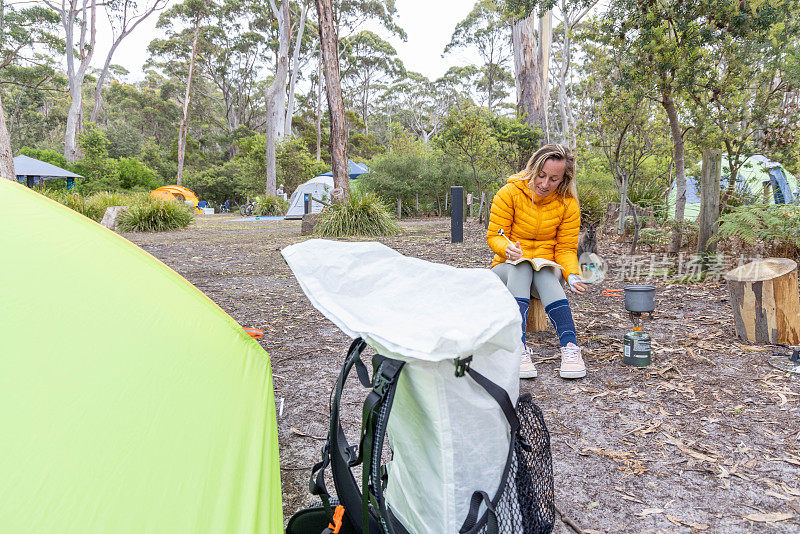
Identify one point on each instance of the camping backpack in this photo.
(522, 503)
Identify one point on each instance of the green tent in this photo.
(758, 176)
(129, 401)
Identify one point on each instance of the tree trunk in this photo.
(6, 155)
(531, 63)
(680, 172)
(330, 50)
(709, 197)
(319, 107)
(623, 202)
(184, 125)
(287, 128)
(75, 75)
(765, 301)
(276, 95)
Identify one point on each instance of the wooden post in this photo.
(765, 301)
(537, 317)
(709, 197)
(399, 207)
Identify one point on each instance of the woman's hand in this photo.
(514, 252)
(576, 284)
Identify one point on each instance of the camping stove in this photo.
(640, 303)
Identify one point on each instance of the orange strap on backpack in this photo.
(338, 514)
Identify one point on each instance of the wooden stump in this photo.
(308, 222)
(537, 317)
(765, 301)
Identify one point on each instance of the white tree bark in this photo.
(531, 47)
(184, 126)
(6, 155)
(128, 22)
(70, 11)
(276, 95)
(295, 70)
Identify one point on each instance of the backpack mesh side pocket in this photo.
(527, 505)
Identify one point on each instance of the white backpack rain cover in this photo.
(449, 437)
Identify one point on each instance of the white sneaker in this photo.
(526, 367)
(572, 365)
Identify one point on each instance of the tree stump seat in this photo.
(537, 317)
(765, 301)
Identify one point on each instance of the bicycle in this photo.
(247, 209)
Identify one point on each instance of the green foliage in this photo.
(270, 206)
(48, 156)
(654, 237)
(220, 183)
(295, 165)
(155, 215)
(99, 170)
(361, 214)
(93, 206)
(133, 174)
(593, 203)
(776, 226)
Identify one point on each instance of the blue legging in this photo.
(522, 281)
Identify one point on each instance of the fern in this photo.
(776, 226)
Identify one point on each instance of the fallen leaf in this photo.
(650, 511)
(769, 518)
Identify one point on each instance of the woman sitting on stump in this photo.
(536, 215)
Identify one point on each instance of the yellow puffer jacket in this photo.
(546, 227)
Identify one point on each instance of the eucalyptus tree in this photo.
(485, 28)
(741, 95)
(329, 45)
(421, 104)
(275, 94)
(663, 43)
(183, 23)
(571, 13)
(21, 31)
(531, 37)
(76, 16)
(367, 60)
(123, 18)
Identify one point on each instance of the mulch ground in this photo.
(707, 438)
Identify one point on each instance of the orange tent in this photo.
(176, 192)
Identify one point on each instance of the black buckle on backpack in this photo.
(462, 365)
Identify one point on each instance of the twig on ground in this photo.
(567, 521)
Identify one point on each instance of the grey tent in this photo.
(31, 171)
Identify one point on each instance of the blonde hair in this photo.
(567, 187)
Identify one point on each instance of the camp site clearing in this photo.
(704, 439)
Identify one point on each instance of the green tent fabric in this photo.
(756, 172)
(129, 401)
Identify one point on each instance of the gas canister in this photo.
(636, 349)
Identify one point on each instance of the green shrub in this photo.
(778, 227)
(155, 215)
(362, 214)
(654, 237)
(270, 206)
(70, 199)
(593, 202)
(133, 174)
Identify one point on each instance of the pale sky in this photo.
(428, 24)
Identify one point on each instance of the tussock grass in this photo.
(270, 206)
(93, 206)
(362, 214)
(155, 215)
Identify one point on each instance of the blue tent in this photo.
(31, 171)
(353, 169)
